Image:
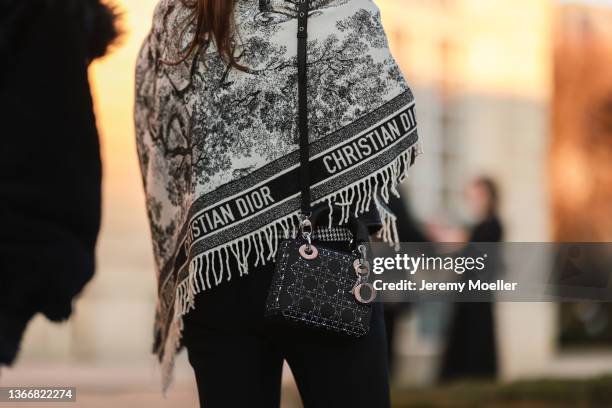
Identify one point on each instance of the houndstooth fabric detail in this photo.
(332, 234)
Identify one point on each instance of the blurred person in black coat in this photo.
(50, 168)
(471, 350)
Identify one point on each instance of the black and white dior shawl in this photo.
(218, 147)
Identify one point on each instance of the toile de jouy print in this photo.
(218, 146)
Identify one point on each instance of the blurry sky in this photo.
(598, 2)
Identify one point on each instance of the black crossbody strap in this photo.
(302, 37)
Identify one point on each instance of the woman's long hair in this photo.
(214, 21)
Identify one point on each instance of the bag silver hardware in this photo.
(306, 231)
(362, 270)
(309, 251)
(358, 295)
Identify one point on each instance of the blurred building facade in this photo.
(581, 157)
(482, 75)
(482, 72)
(581, 152)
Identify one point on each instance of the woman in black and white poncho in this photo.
(217, 139)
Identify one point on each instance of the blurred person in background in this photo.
(471, 350)
(50, 169)
(482, 196)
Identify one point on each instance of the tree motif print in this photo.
(206, 124)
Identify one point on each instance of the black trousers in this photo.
(237, 355)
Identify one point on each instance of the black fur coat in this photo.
(50, 169)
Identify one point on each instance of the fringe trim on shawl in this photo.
(203, 268)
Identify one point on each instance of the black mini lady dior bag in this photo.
(317, 284)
